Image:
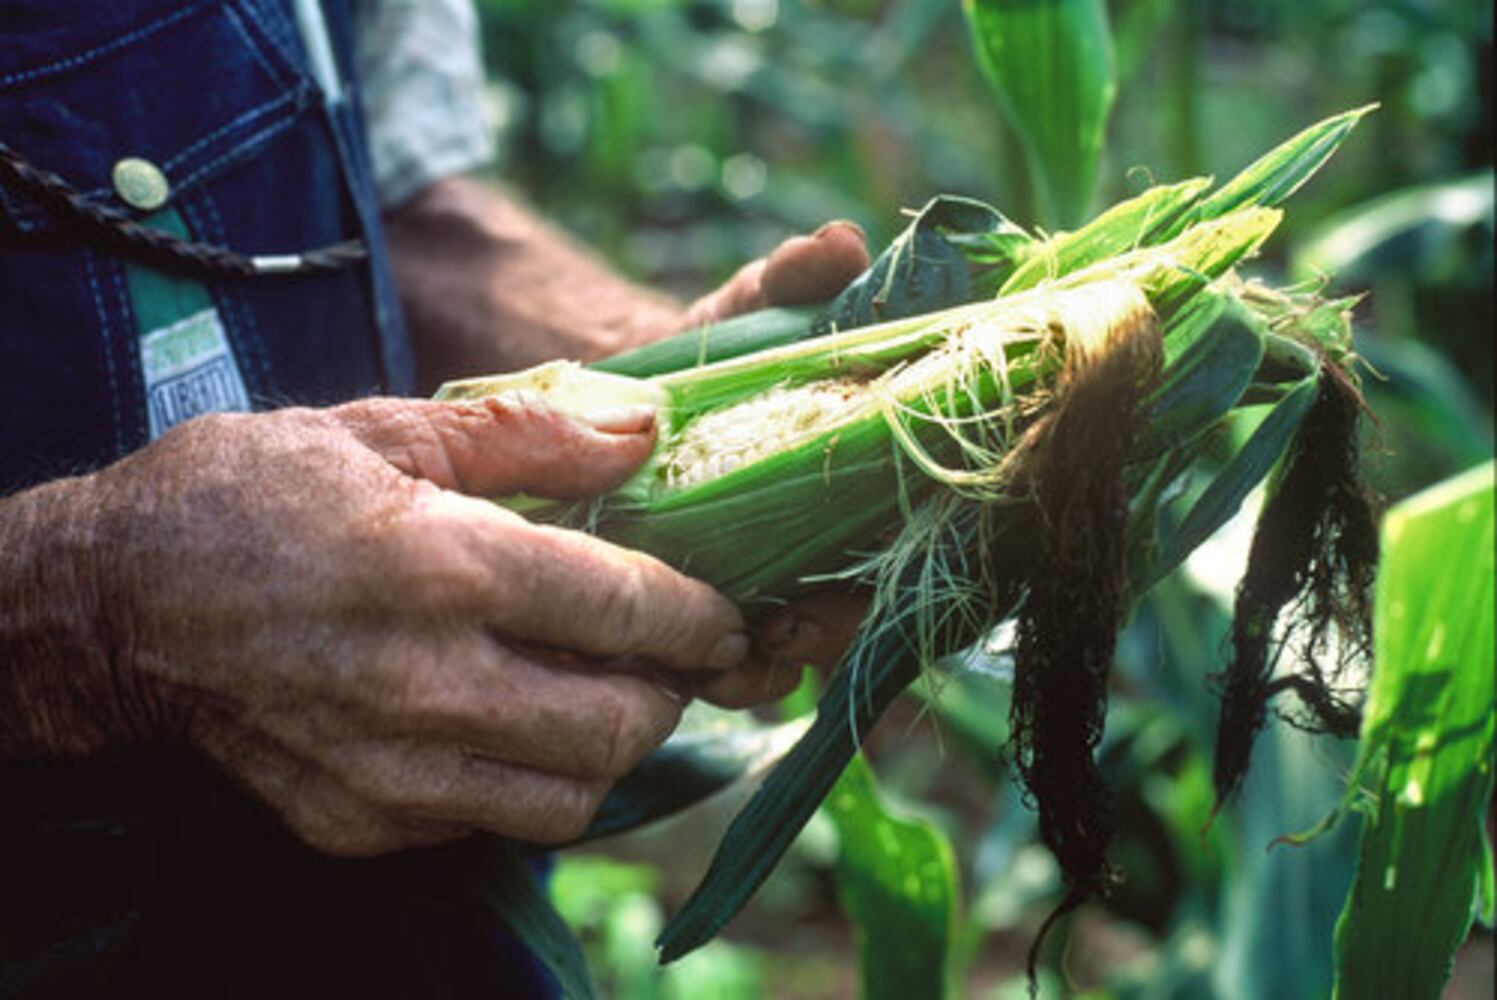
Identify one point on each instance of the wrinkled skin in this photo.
(488, 287)
(322, 603)
(315, 600)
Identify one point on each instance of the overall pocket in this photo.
(201, 113)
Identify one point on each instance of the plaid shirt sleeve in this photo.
(422, 80)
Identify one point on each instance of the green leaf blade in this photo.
(1273, 177)
(511, 895)
(1427, 739)
(762, 832)
(1052, 68)
(897, 880)
(1232, 485)
(685, 770)
(1205, 381)
(1130, 224)
(955, 250)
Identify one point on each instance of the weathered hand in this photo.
(310, 598)
(816, 629)
(801, 270)
(489, 287)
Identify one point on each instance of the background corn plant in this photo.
(681, 138)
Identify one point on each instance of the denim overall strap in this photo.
(342, 106)
(149, 873)
(219, 98)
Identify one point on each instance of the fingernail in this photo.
(619, 419)
(841, 224)
(729, 651)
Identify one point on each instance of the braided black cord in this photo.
(164, 248)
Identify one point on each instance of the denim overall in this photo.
(218, 97)
(147, 875)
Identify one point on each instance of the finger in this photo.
(444, 786)
(807, 269)
(815, 629)
(760, 683)
(497, 446)
(312, 805)
(573, 591)
(587, 724)
(742, 293)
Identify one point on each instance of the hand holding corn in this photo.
(314, 599)
(487, 286)
(800, 271)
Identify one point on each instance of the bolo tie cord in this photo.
(120, 230)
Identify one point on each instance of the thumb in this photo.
(500, 446)
(801, 271)
(815, 268)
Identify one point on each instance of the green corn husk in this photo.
(842, 434)
(792, 448)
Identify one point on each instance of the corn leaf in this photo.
(1207, 378)
(1360, 239)
(954, 251)
(1280, 903)
(854, 699)
(1427, 742)
(685, 770)
(510, 893)
(1276, 175)
(896, 877)
(1051, 66)
(761, 833)
(1128, 225)
(1231, 486)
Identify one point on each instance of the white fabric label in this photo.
(190, 370)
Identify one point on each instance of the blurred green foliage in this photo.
(614, 909)
(1426, 756)
(683, 137)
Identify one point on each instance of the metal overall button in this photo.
(140, 184)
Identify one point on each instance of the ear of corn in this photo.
(732, 337)
(822, 443)
(895, 453)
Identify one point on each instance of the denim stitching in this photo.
(81, 58)
(105, 193)
(238, 25)
(257, 139)
(275, 28)
(252, 11)
(105, 339)
(134, 372)
(243, 119)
